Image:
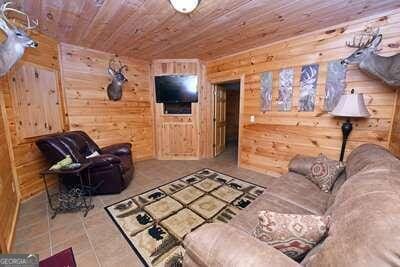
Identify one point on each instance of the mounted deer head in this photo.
(385, 68)
(12, 49)
(114, 89)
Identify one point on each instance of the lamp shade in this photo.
(184, 6)
(351, 105)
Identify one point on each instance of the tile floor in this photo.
(95, 240)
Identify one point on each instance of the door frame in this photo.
(213, 82)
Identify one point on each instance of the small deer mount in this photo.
(384, 68)
(114, 89)
(13, 48)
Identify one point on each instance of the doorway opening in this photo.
(226, 119)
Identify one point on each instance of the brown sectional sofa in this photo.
(364, 206)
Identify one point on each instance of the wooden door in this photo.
(219, 119)
(35, 95)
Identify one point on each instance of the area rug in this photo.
(156, 222)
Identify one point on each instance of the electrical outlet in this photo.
(252, 119)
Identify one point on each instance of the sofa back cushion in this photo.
(370, 157)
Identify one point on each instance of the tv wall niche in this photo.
(183, 124)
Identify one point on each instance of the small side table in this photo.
(78, 197)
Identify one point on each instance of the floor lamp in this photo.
(349, 106)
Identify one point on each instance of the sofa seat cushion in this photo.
(247, 219)
(219, 244)
(300, 191)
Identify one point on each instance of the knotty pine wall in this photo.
(27, 159)
(9, 198)
(85, 79)
(268, 144)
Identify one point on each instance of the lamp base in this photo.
(347, 127)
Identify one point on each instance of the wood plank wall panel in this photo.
(28, 160)
(85, 81)
(269, 144)
(195, 130)
(394, 144)
(9, 199)
(206, 115)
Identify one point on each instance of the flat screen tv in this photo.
(176, 88)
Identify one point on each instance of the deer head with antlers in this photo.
(114, 89)
(385, 68)
(13, 48)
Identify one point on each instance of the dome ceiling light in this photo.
(184, 6)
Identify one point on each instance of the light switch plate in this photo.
(252, 119)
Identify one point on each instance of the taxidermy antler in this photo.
(114, 89)
(12, 49)
(385, 68)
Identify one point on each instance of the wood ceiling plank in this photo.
(142, 21)
(110, 13)
(32, 7)
(323, 41)
(234, 22)
(49, 17)
(150, 29)
(179, 25)
(127, 8)
(255, 31)
(83, 17)
(202, 25)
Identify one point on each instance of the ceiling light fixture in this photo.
(184, 6)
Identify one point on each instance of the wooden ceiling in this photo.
(150, 29)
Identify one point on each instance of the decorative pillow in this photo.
(324, 172)
(292, 234)
(62, 163)
(301, 164)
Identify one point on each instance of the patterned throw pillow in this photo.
(301, 164)
(292, 234)
(324, 172)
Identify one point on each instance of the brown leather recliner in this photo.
(110, 172)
